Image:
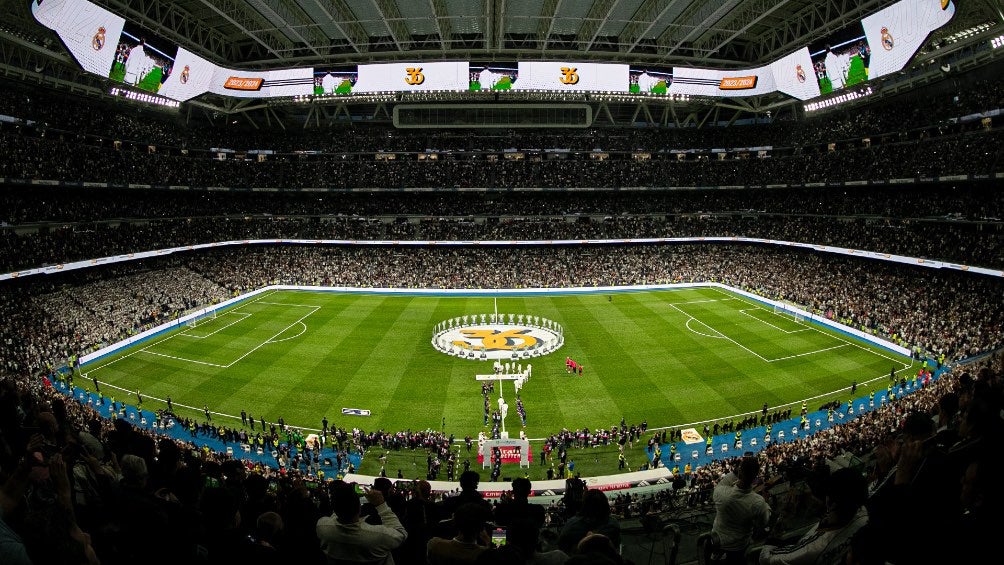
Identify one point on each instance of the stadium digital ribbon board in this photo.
(106, 44)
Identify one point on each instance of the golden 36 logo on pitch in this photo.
(486, 340)
(496, 340)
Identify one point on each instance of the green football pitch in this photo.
(672, 357)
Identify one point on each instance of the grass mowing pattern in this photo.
(670, 357)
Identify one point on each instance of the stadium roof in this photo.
(267, 34)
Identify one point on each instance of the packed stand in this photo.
(953, 236)
(107, 490)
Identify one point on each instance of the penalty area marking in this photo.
(272, 339)
(720, 335)
(253, 349)
(170, 337)
(302, 331)
(838, 338)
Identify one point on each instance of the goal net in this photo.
(201, 318)
(782, 310)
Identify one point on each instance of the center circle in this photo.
(488, 341)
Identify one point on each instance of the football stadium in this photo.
(501, 281)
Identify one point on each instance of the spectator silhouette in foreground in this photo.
(519, 507)
(741, 514)
(345, 538)
(469, 481)
(524, 536)
(830, 539)
(471, 541)
(593, 518)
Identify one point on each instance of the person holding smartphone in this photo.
(345, 536)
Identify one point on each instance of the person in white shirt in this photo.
(346, 538)
(828, 542)
(740, 513)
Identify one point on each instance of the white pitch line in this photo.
(243, 317)
(172, 336)
(719, 336)
(290, 304)
(809, 353)
(304, 330)
(761, 357)
(200, 410)
(747, 312)
(182, 358)
(838, 338)
(259, 346)
(702, 301)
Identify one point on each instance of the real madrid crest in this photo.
(887, 40)
(184, 74)
(98, 41)
(800, 73)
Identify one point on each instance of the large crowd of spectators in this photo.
(79, 488)
(24, 206)
(899, 138)
(55, 316)
(909, 113)
(29, 154)
(964, 234)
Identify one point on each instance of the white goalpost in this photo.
(782, 310)
(194, 321)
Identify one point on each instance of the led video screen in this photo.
(142, 59)
(104, 43)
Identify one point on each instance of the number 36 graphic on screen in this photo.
(569, 75)
(415, 76)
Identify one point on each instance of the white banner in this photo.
(397, 77)
(192, 75)
(897, 32)
(247, 84)
(794, 76)
(549, 75)
(714, 82)
(90, 32)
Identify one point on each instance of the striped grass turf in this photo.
(673, 358)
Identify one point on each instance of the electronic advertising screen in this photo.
(793, 75)
(88, 31)
(192, 76)
(897, 32)
(142, 59)
(335, 80)
(263, 84)
(881, 43)
(644, 80)
(841, 60)
(493, 76)
(589, 77)
(413, 77)
(716, 82)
